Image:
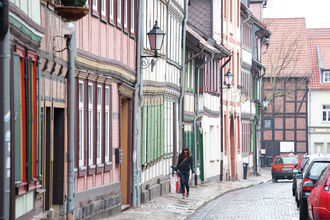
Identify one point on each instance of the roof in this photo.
(288, 52)
(319, 38)
(216, 49)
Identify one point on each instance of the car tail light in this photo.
(307, 188)
(273, 168)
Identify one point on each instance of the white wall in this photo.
(30, 7)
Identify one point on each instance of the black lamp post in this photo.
(156, 39)
(265, 102)
(229, 78)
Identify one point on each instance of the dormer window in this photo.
(326, 76)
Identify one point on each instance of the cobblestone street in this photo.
(264, 201)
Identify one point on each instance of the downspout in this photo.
(222, 18)
(71, 45)
(257, 117)
(180, 113)
(221, 117)
(39, 121)
(138, 97)
(197, 113)
(4, 110)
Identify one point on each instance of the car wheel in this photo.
(297, 202)
(274, 180)
(302, 213)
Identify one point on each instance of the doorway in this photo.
(126, 146)
(232, 150)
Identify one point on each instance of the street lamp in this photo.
(229, 78)
(156, 38)
(265, 102)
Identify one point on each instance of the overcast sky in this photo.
(316, 12)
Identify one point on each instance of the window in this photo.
(107, 123)
(267, 124)
(98, 125)
(326, 113)
(326, 76)
(132, 15)
(90, 123)
(81, 123)
(318, 148)
(125, 13)
(104, 8)
(95, 6)
(119, 11)
(111, 9)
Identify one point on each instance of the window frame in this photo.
(326, 72)
(132, 18)
(264, 124)
(104, 10)
(81, 141)
(90, 124)
(95, 8)
(327, 113)
(119, 13)
(111, 17)
(107, 143)
(125, 15)
(99, 124)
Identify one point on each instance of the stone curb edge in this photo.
(222, 194)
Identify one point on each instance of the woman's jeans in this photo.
(184, 179)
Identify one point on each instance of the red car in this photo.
(318, 202)
(283, 166)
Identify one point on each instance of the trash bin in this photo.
(262, 161)
(269, 161)
(245, 169)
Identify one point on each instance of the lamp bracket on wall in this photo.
(67, 39)
(147, 60)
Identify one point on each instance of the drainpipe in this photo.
(197, 113)
(222, 19)
(138, 97)
(71, 45)
(256, 119)
(4, 110)
(221, 117)
(180, 113)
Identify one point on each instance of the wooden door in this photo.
(124, 175)
(232, 150)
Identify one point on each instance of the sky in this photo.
(316, 12)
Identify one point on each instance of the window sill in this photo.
(107, 166)
(91, 169)
(100, 168)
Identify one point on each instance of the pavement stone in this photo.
(172, 206)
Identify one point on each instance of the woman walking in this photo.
(185, 163)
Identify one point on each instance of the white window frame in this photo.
(104, 7)
(95, 5)
(327, 113)
(326, 79)
(90, 123)
(111, 9)
(107, 124)
(99, 125)
(125, 13)
(132, 16)
(119, 11)
(81, 125)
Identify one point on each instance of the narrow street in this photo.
(265, 201)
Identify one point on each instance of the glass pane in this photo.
(107, 96)
(81, 92)
(90, 133)
(98, 134)
(106, 135)
(80, 135)
(324, 115)
(328, 148)
(328, 115)
(90, 94)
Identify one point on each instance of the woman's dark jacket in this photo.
(186, 165)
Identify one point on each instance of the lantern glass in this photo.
(68, 28)
(265, 102)
(229, 78)
(156, 37)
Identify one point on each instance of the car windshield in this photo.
(286, 160)
(303, 163)
(316, 169)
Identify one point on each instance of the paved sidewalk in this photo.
(172, 206)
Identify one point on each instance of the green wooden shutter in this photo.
(162, 119)
(156, 131)
(148, 144)
(153, 132)
(143, 133)
(39, 123)
(17, 96)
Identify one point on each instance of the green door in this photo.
(201, 154)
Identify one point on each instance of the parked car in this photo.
(309, 177)
(298, 169)
(318, 202)
(283, 166)
(295, 171)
